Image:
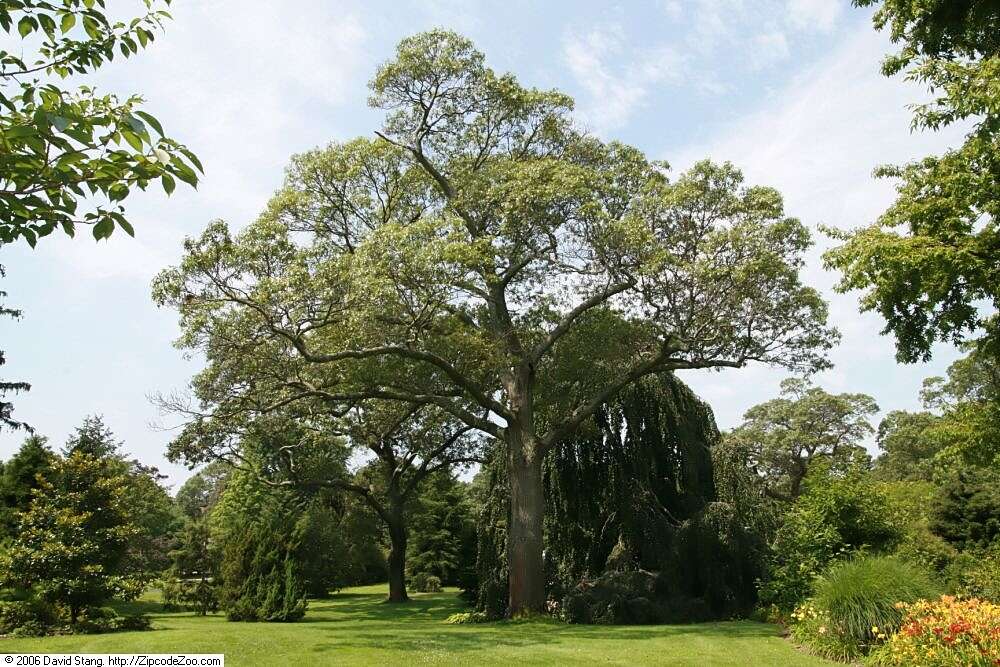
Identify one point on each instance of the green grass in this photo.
(356, 627)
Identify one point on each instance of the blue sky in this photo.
(789, 90)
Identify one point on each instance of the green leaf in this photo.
(124, 224)
(131, 138)
(153, 123)
(168, 183)
(103, 228)
(137, 125)
(26, 25)
(68, 21)
(193, 158)
(48, 25)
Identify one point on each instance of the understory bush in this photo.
(855, 605)
(977, 575)
(944, 632)
(26, 618)
(836, 517)
(631, 598)
(35, 618)
(422, 582)
(467, 618)
(98, 620)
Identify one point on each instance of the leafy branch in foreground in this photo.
(60, 149)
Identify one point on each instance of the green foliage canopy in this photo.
(782, 437)
(62, 148)
(929, 262)
(72, 544)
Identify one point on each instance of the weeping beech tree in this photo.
(633, 489)
(446, 260)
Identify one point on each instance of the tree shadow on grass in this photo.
(373, 607)
(419, 626)
(139, 607)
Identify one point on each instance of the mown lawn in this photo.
(356, 627)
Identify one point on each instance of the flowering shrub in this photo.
(949, 631)
(854, 605)
(813, 627)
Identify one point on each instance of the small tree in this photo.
(193, 575)
(261, 579)
(295, 449)
(442, 531)
(72, 543)
(784, 436)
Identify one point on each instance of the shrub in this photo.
(854, 605)
(977, 575)
(98, 620)
(948, 631)
(422, 582)
(468, 617)
(34, 618)
(261, 578)
(834, 518)
(632, 598)
(26, 618)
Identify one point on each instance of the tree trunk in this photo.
(524, 536)
(397, 550)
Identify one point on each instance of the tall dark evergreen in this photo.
(261, 577)
(442, 539)
(193, 578)
(20, 476)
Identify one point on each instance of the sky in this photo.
(788, 90)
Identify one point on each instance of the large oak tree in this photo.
(483, 255)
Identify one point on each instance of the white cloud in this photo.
(615, 90)
(672, 8)
(768, 48)
(244, 85)
(817, 141)
(817, 15)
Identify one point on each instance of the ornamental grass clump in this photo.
(855, 605)
(947, 631)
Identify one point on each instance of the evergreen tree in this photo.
(93, 437)
(966, 512)
(20, 477)
(193, 577)
(442, 539)
(72, 544)
(261, 579)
